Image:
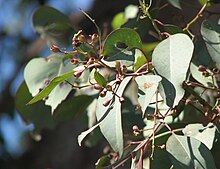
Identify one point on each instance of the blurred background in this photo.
(56, 148)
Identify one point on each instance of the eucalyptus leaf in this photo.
(196, 74)
(171, 59)
(47, 90)
(100, 79)
(175, 3)
(111, 126)
(140, 59)
(53, 25)
(118, 45)
(205, 134)
(38, 74)
(189, 153)
(40, 115)
(211, 35)
(147, 86)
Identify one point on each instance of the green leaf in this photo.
(39, 72)
(175, 3)
(111, 127)
(189, 153)
(201, 55)
(118, 20)
(119, 43)
(52, 24)
(211, 33)
(205, 134)
(102, 162)
(40, 115)
(140, 59)
(147, 86)
(171, 59)
(172, 29)
(100, 79)
(47, 90)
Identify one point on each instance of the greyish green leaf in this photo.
(38, 74)
(211, 35)
(205, 134)
(171, 59)
(111, 126)
(175, 3)
(197, 75)
(189, 153)
(48, 89)
(147, 86)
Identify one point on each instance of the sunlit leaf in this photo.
(100, 79)
(205, 134)
(171, 59)
(211, 35)
(38, 74)
(111, 127)
(147, 86)
(140, 59)
(119, 45)
(206, 81)
(47, 90)
(118, 20)
(187, 152)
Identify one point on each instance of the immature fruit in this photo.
(108, 87)
(97, 86)
(201, 68)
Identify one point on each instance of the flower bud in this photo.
(135, 128)
(205, 74)
(94, 37)
(78, 73)
(122, 99)
(97, 86)
(55, 48)
(106, 102)
(102, 93)
(201, 68)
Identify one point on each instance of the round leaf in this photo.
(39, 72)
(187, 152)
(205, 134)
(171, 59)
(119, 44)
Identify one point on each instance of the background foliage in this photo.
(150, 86)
